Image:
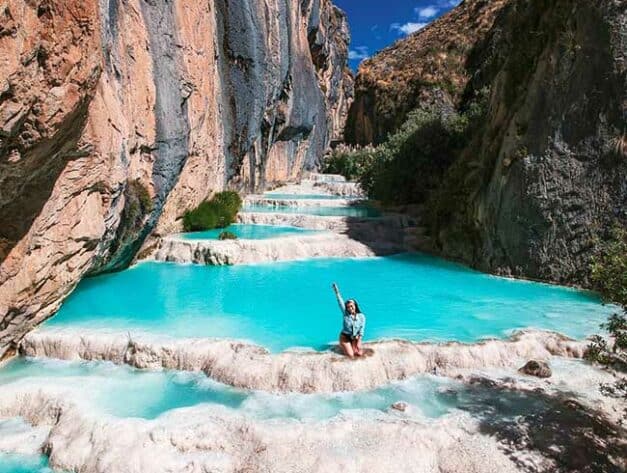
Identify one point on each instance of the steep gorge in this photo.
(428, 68)
(544, 178)
(116, 117)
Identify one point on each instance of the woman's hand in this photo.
(335, 288)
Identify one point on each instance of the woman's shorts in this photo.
(346, 337)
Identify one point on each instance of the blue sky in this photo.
(376, 24)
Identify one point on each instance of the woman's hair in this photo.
(356, 305)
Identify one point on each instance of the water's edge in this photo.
(252, 367)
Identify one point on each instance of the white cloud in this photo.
(407, 28)
(448, 3)
(427, 12)
(435, 9)
(359, 53)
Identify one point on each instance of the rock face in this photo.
(115, 117)
(545, 176)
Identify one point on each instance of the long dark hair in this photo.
(357, 310)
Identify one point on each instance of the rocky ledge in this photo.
(330, 184)
(389, 228)
(287, 248)
(212, 439)
(269, 201)
(497, 423)
(249, 366)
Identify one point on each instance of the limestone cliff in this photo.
(545, 176)
(115, 117)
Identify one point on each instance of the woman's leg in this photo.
(356, 346)
(345, 345)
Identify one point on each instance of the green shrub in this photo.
(349, 162)
(604, 352)
(412, 162)
(612, 352)
(219, 212)
(229, 201)
(227, 236)
(609, 276)
(143, 196)
(609, 270)
(132, 229)
(203, 217)
(137, 205)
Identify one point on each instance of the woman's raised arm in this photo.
(340, 301)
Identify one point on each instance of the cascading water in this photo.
(282, 306)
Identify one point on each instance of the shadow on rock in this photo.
(572, 437)
(383, 235)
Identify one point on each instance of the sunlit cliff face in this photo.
(104, 102)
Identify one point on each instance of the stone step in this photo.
(287, 248)
(317, 177)
(384, 228)
(270, 201)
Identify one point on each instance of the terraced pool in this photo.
(360, 211)
(279, 195)
(286, 305)
(13, 463)
(248, 232)
(149, 394)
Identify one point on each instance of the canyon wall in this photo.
(430, 67)
(544, 178)
(116, 117)
(545, 181)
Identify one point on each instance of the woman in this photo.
(353, 328)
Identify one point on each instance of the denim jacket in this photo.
(352, 327)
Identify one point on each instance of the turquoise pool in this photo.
(146, 394)
(361, 211)
(11, 463)
(284, 305)
(248, 232)
(149, 394)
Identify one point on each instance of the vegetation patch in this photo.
(609, 276)
(350, 162)
(226, 235)
(219, 212)
(609, 269)
(412, 162)
(130, 234)
(138, 204)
